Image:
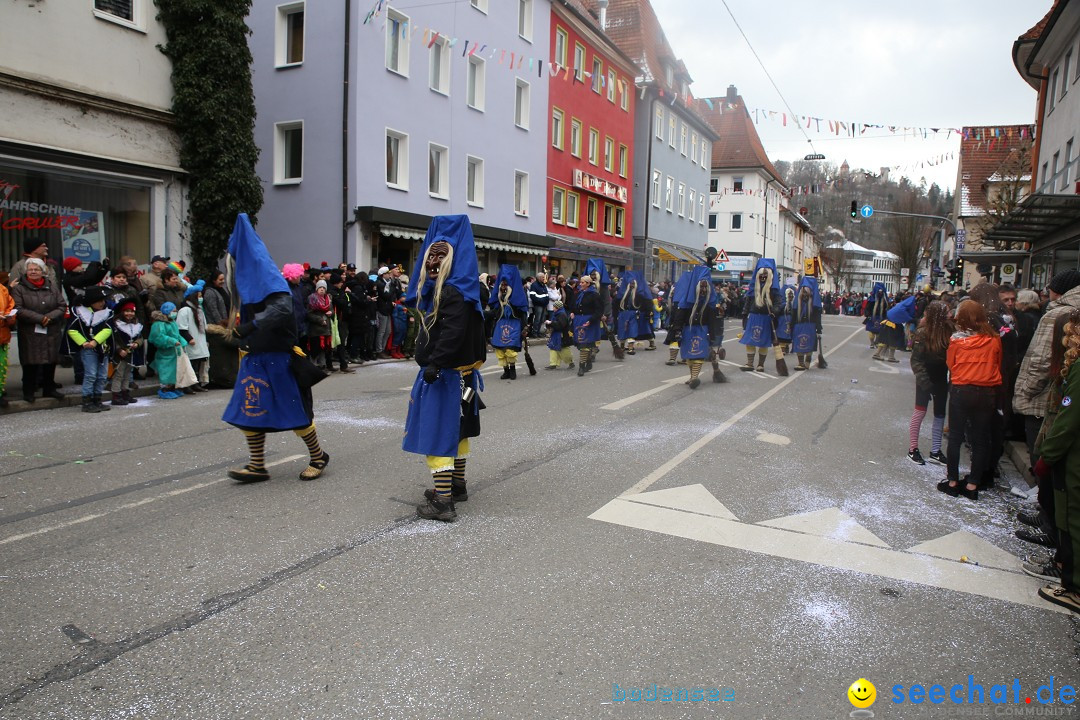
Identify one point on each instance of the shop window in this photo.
(75, 214)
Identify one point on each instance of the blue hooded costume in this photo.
(267, 396)
(787, 313)
(695, 312)
(509, 318)
(450, 345)
(632, 308)
(603, 288)
(761, 305)
(877, 308)
(806, 317)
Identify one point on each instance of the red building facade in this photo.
(590, 142)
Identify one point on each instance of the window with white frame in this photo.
(438, 171)
(579, 61)
(397, 160)
(611, 86)
(712, 221)
(682, 199)
(558, 118)
(521, 193)
(737, 184)
(474, 181)
(609, 154)
(594, 146)
(682, 139)
(481, 5)
(597, 74)
(624, 160)
(620, 216)
(439, 68)
(1053, 90)
(659, 123)
(131, 13)
(701, 209)
(657, 178)
(288, 152)
(736, 221)
(475, 82)
(1054, 166)
(573, 204)
(705, 157)
(669, 194)
(590, 215)
(562, 42)
(397, 42)
(693, 205)
(521, 104)
(1065, 75)
(575, 137)
(672, 126)
(525, 19)
(714, 184)
(558, 205)
(289, 35)
(624, 97)
(1068, 163)
(693, 147)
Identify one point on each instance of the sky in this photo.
(916, 63)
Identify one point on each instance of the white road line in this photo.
(128, 506)
(719, 430)
(619, 404)
(759, 375)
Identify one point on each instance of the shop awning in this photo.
(510, 247)
(579, 246)
(396, 231)
(1036, 217)
(675, 253)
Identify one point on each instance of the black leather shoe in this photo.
(1037, 536)
(950, 490)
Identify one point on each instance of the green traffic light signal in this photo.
(854, 208)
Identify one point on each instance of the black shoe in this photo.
(458, 493)
(580, 371)
(916, 457)
(1048, 570)
(100, 405)
(1037, 536)
(28, 398)
(248, 475)
(55, 395)
(434, 509)
(551, 367)
(1030, 518)
(938, 458)
(588, 365)
(513, 372)
(972, 494)
(950, 490)
(670, 362)
(506, 373)
(695, 383)
(88, 405)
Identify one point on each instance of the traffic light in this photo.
(854, 208)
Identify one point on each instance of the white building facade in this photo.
(89, 156)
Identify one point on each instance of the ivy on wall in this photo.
(214, 105)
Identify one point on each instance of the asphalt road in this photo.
(767, 535)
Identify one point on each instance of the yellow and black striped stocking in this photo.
(256, 442)
(311, 439)
(443, 481)
(695, 368)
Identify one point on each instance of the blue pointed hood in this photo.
(811, 283)
(685, 292)
(642, 286)
(598, 265)
(771, 265)
(456, 231)
(257, 277)
(518, 299)
(879, 289)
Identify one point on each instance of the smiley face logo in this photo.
(862, 693)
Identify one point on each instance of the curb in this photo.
(145, 390)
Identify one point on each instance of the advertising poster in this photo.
(85, 240)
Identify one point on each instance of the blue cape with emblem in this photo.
(257, 277)
(598, 265)
(518, 299)
(685, 292)
(456, 231)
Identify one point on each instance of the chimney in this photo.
(603, 14)
(732, 93)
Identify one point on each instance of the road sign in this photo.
(866, 211)
(961, 238)
(804, 211)
(722, 257)
(721, 267)
(1008, 272)
(904, 272)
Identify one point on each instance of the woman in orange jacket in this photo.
(7, 321)
(974, 360)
